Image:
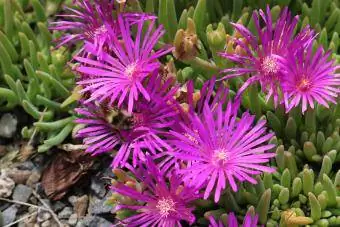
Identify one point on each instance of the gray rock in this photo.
(73, 219)
(98, 187)
(65, 213)
(27, 165)
(43, 216)
(98, 206)
(9, 214)
(95, 221)
(46, 224)
(8, 125)
(58, 206)
(22, 193)
(72, 199)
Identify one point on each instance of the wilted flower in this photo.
(249, 221)
(164, 201)
(107, 128)
(119, 76)
(308, 78)
(218, 148)
(261, 54)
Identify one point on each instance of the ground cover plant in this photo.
(173, 113)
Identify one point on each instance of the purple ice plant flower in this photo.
(118, 76)
(91, 21)
(219, 149)
(107, 128)
(310, 78)
(264, 51)
(165, 201)
(88, 21)
(249, 221)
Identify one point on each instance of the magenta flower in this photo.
(119, 76)
(249, 221)
(164, 202)
(308, 78)
(218, 148)
(106, 128)
(262, 53)
(87, 22)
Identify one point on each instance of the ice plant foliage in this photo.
(218, 148)
(249, 221)
(162, 204)
(119, 75)
(308, 78)
(144, 128)
(264, 51)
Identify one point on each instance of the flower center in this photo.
(220, 156)
(131, 70)
(304, 84)
(165, 206)
(138, 119)
(269, 65)
(101, 30)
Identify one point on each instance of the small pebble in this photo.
(22, 193)
(81, 205)
(43, 216)
(19, 176)
(73, 220)
(65, 213)
(6, 185)
(33, 178)
(8, 125)
(46, 224)
(9, 214)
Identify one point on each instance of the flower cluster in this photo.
(181, 153)
(283, 63)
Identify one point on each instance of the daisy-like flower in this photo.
(91, 21)
(164, 202)
(310, 78)
(249, 221)
(88, 21)
(119, 76)
(218, 148)
(262, 53)
(107, 128)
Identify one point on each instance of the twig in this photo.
(22, 203)
(54, 215)
(21, 219)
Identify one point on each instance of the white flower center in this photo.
(165, 206)
(130, 70)
(101, 30)
(269, 65)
